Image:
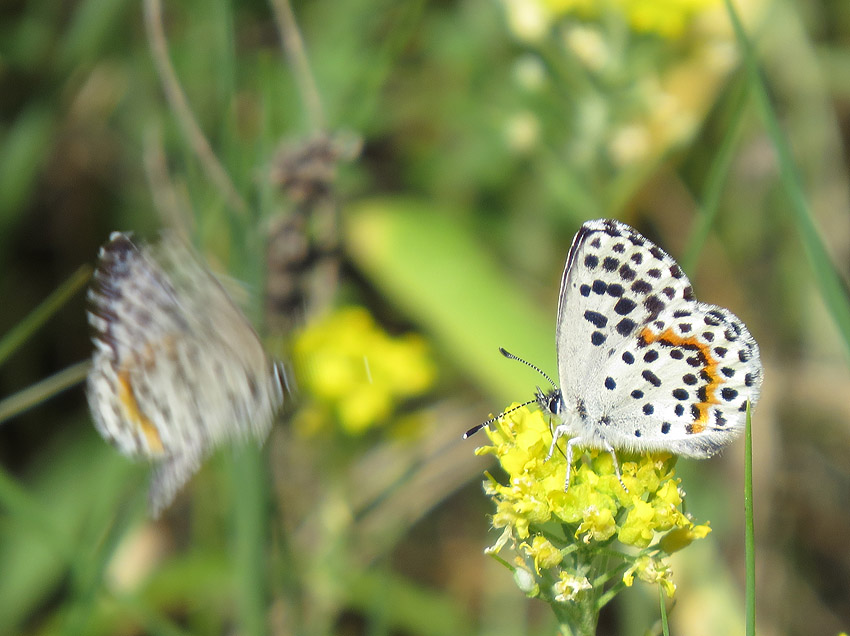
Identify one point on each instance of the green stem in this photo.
(749, 536)
(665, 629)
(579, 616)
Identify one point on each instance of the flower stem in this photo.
(577, 617)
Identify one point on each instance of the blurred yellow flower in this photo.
(654, 68)
(356, 372)
(529, 19)
(668, 18)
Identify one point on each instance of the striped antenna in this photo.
(508, 354)
(536, 400)
(478, 427)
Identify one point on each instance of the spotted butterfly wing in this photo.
(177, 369)
(643, 365)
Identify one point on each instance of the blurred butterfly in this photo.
(177, 369)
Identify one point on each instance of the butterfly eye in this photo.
(555, 403)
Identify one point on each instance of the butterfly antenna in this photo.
(508, 354)
(478, 427)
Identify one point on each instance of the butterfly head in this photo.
(551, 401)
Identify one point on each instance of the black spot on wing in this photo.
(596, 319)
(625, 327)
(627, 273)
(650, 377)
(641, 287)
(653, 305)
(624, 306)
(609, 263)
(728, 394)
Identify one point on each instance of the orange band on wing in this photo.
(708, 372)
(134, 413)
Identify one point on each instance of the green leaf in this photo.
(436, 271)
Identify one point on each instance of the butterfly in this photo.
(177, 369)
(643, 366)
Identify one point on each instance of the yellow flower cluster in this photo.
(355, 372)
(596, 509)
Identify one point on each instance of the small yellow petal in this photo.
(679, 538)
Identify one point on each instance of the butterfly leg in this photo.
(569, 457)
(557, 434)
(610, 449)
(578, 441)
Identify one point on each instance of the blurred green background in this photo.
(490, 130)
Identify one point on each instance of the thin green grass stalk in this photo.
(88, 567)
(296, 55)
(250, 518)
(718, 171)
(37, 393)
(749, 536)
(41, 314)
(390, 49)
(182, 111)
(665, 629)
(831, 286)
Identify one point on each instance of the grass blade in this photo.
(250, 519)
(831, 286)
(749, 536)
(24, 400)
(49, 306)
(717, 173)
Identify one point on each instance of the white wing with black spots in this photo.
(642, 364)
